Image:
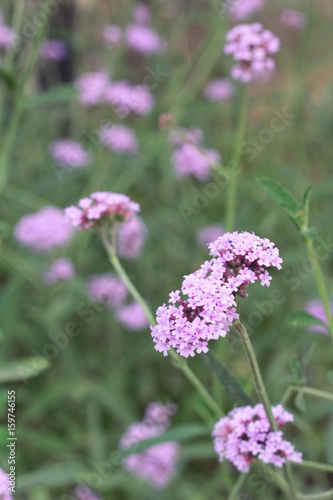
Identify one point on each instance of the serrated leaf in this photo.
(23, 369)
(56, 95)
(281, 195)
(230, 384)
(301, 318)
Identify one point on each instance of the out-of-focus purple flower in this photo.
(240, 10)
(131, 238)
(156, 464)
(112, 35)
(252, 48)
(5, 493)
(54, 50)
(316, 309)
(210, 233)
(144, 39)
(108, 289)
(92, 87)
(179, 136)
(127, 98)
(159, 413)
(44, 230)
(7, 35)
(60, 270)
(190, 160)
(132, 316)
(245, 435)
(218, 90)
(294, 19)
(101, 207)
(68, 153)
(141, 13)
(85, 493)
(119, 138)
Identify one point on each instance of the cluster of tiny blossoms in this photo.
(108, 289)
(219, 90)
(132, 316)
(245, 435)
(4, 486)
(131, 238)
(100, 207)
(54, 50)
(157, 463)
(60, 270)
(7, 35)
(252, 48)
(68, 153)
(205, 307)
(119, 138)
(239, 10)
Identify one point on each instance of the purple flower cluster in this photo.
(127, 98)
(107, 289)
(205, 307)
(132, 316)
(219, 90)
(7, 35)
(4, 486)
(189, 157)
(44, 230)
(101, 207)
(251, 47)
(207, 234)
(60, 270)
(144, 39)
(245, 436)
(54, 50)
(316, 309)
(293, 19)
(240, 10)
(112, 35)
(85, 493)
(119, 138)
(69, 154)
(156, 464)
(131, 238)
(92, 87)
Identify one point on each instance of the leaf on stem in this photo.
(281, 195)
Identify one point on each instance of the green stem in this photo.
(238, 486)
(317, 496)
(316, 465)
(320, 283)
(311, 391)
(232, 191)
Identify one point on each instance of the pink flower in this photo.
(92, 87)
(60, 270)
(208, 234)
(7, 35)
(69, 153)
(119, 138)
(4, 486)
(156, 464)
(101, 207)
(251, 47)
(141, 13)
(54, 50)
(44, 230)
(244, 436)
(132, 316)
(85, 493)
(316, 309)
(144, 39)
(108, 289)
(180, 136)
(127, 98)
(190, 160)
(131, 238)
(219, 90)
(240, 10)
(112, 35)
(293, 19)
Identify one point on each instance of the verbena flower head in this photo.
(5, 494)
(92, 87)
(85, 493)
(131, 238)
(245, 436)
(127, 98)
(112, 35)
(180, 136)
(7, 35)
(316, 309)
(44, 230)
(119, 138)
(54, 50)
(68, 153)
(156, 464)
(252, 48)
(101, 208)
(239, 10)
(191, 160)
(141, 13)
(132, 316)
(107, 289)
(60, 270)
(294, 19)
(210, 233)
(143, 39)
(219, 90)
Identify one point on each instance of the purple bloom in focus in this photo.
(244, 436)
(69, 153)
(252, 48)
(190, 160)
(108, 289)
(180, 136)
(156, 464)
(294, 19)
(127, 98)
(241, 10)
(141, 13)
(218, 90)
(60, 270)
(316, 309)
(112, 35)
(54, 50)
(119, 138)
(5, 494)
(92, 87)
(208, 234)
(100, 207)
(44, 230)
(131, 238)
(85, 493)
(132, 316)
(144, 39)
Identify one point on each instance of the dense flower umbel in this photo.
(69, 153)
(191, 160)
(251, 47)
(112, 35)
(240, 10)
(245, 435)
(131, 238)
(4, 486)
(219, 90)
(157, 463)
(132, 316)
(60, 270)
(101, 207)
(108, 289)
(144, 39)
(92, 87)
(316, 309)
(293, 19)
(127, 98)
(119, 138)
(54, 50)
(7, 35)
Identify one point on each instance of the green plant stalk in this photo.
(311, 391)
(317, 496)
(316, 465)
(320, 283)
(237, 487)
(179, 362)
(232, 191)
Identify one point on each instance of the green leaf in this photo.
(56, 95)
(23, 369)
(231, 385)
(306, 204)
(295, 367)
(281, 195)
(300, 401)
(309, 232)
(55, 475)
(301, 318)
(8, 79)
